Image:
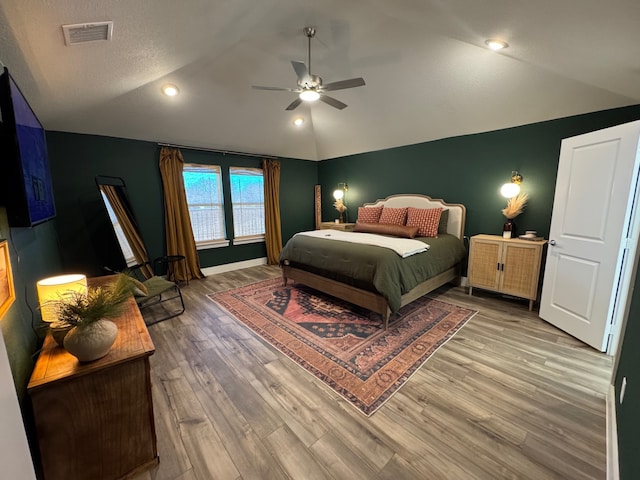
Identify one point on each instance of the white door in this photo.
(597, 175)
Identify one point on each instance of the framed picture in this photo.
(7, 292)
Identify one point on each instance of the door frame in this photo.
(628, 273)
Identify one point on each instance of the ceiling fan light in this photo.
(309, 95)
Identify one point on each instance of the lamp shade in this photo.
(53, 289)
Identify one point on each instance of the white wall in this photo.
(15, 458)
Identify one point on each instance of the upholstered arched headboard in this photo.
(457, 211)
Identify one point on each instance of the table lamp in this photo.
(53, 289)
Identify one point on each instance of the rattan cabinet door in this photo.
(484, 263)
(520, 272)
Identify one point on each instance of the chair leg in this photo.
(181, 300)
(160, 301)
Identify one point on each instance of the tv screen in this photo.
(26, 179)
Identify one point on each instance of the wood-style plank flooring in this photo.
(509, 397)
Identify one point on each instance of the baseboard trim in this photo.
(613, 472)
(228, 267)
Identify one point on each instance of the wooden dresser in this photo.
(95, 420)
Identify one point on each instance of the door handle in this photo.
(552, 243)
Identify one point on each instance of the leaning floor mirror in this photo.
(118, 209)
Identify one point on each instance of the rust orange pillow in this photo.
(426, 219)
(393, 216)
(369, 214)
(386, 229)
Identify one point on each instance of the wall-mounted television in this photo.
(26, 189)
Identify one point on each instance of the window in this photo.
(203, 186)
(129, 258)
(247, 197)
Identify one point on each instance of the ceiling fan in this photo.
(310, 87)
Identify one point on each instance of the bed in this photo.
(374, 277)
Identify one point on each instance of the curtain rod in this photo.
(214, 150)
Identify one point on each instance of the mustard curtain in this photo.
(273, 232)
(177, 221)
(128, 228)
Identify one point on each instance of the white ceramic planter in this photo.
(92, 341)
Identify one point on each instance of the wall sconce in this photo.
(509, 190)
(339, 193)
(339, 203)
(52, 289)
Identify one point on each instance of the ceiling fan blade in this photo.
(293, 105)
(301, 70)
(278, 89)
(333, 102)
(342, 84)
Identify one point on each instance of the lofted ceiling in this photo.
(428, 72)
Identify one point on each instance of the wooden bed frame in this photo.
(374, 301)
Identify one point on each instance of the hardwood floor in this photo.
(509, 397)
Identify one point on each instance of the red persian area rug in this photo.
(342, 344)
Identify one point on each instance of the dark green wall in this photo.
(76, 160)
(468, 170)
(628, 413)
(34, 255)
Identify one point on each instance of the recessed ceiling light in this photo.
(309, 95)
(496, 45)
(170, 90)
(298, 121)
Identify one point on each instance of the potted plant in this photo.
(92, 333)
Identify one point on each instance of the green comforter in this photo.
(373, 268)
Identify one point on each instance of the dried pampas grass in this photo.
(515, 205)
(339, 205)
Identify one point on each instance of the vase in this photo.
(92, 341)
(509, 229)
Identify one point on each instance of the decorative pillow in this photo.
(139, 288)
(393, 216)
(426, 219)
(386, 229)
(444, 220)
(369, 214)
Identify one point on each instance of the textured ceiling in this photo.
(428, 72)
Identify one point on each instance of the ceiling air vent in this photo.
(87, 32)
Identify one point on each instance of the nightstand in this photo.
(345, 227)
(505, 265)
